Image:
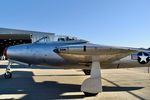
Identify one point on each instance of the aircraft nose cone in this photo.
(11, 51)
(15, 52)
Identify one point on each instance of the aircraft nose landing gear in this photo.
(8, 73)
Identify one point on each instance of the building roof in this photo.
(18, 31)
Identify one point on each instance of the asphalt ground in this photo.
(40, 83)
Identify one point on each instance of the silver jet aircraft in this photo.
(77, 54)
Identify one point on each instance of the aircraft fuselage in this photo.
(45, 54)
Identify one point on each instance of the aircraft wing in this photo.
(84, 52)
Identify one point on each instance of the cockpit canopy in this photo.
(66, 38)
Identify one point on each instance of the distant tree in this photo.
(149, 48)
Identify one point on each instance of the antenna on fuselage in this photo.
(40, 39)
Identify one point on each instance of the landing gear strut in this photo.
(92, 86)
(8, 73)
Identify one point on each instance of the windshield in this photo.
(65, 38)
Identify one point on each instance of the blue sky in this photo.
(110, 22)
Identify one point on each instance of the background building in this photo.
(10, 37)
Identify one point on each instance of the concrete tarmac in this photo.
(37, 83)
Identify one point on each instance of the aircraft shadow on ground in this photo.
(119, 88)
(23, 83)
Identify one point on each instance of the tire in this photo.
(87, 72)
(90, 94)
(8, 75)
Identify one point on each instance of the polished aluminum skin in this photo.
(76, 54)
